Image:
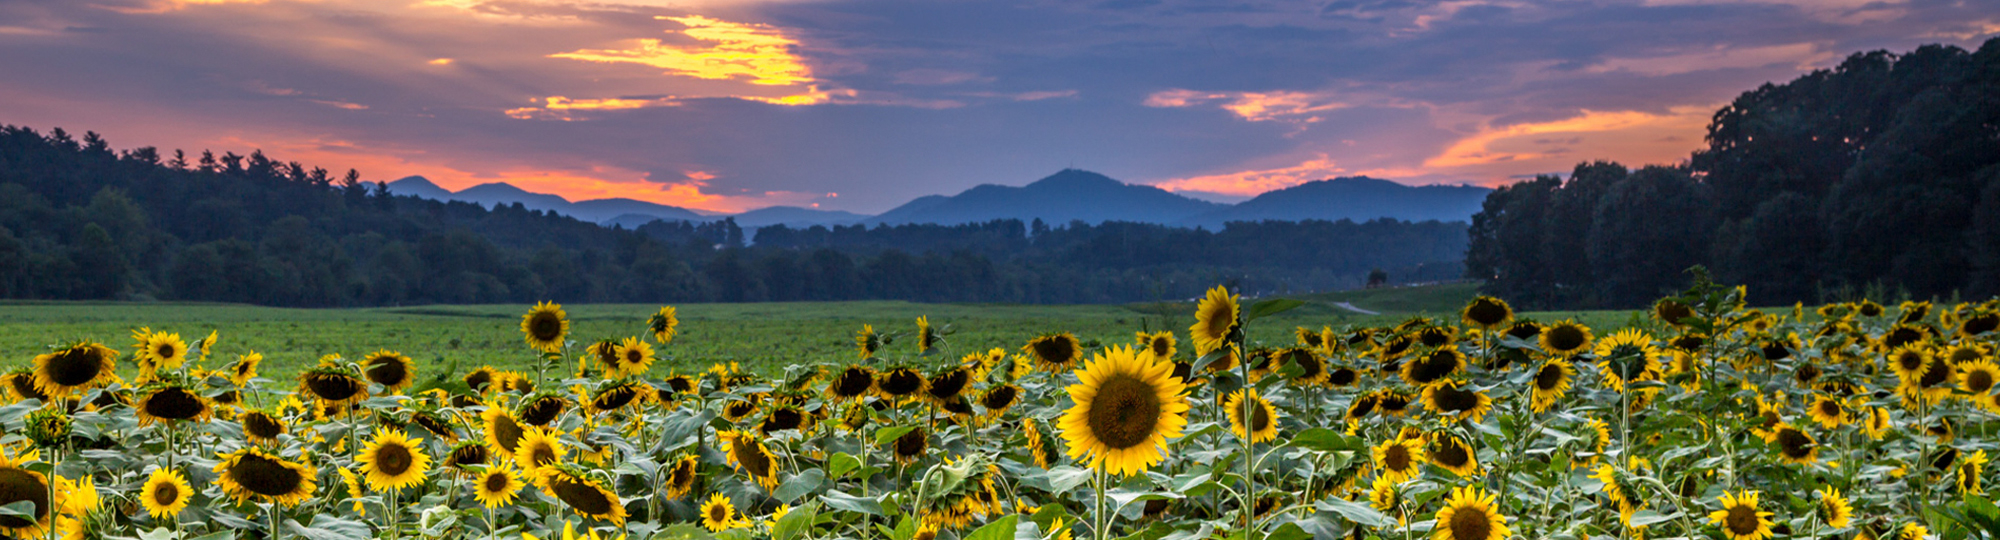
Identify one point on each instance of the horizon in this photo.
(724, 106)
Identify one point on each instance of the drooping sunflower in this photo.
(392, 461)
(539, 448)
(1262, 424)
(1672, 311)
(911, 446)
(503, 432)
(1829, 411)
(1794, 445)
(1833, 509)
(262, 427)
(1393, 402)
(1044, 454)
(1969, 471)
(18, 484)
(1979, 323)
(1470, 514)
(1452, 398)
(1550, 383)
(1739, 517)
(545, 326)
(866, 341)
(163, 401)
(390, 369)
(664, 324)
(253, 473)
(1486, 312)
(1399, 458)
(681, 476)
(850, 384)
(737, 410)
(496, 486)
(901, 383)
(1433, 367)
(1452, 454)
(719, 514)
(785, 418)
(998, 399)
(926, 335)
(584, 495)
(946, 385)
(1903, 335)
(542, 408)
(1362, 405)
(1565, 338)
(747, 453)
(1055, 353)
(21, 386)
(467, 455)
(165, 494)
(78, 367)
(1385, 495)
(1125, 408)
(1216, 317)
(333, 385)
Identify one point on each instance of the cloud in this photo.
(756, 53)
(1253, 106)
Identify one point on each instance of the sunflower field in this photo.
(1708, 420)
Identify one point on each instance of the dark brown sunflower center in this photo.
(1741, 520)
(1362, 406)
(615, 397)
(1454, 399)
(542, 411)
(388, 371)
(1565, 338)
(469, 454)
(1775, 350)
(392, 459)
(999, 398)
(507, 433)
(75, 366)
(1901, 336)
(1486, 312)
(1935, 373)
(262, 426)
(165, 350)
(1054, 350)
(752, 456)
(1434, 337)
(683, 473)
(1794, 443)
(911, 444)
(1160, 346)
(1526, 330)
(718, 512)
(1806, 374)
(902, 382)
(1672, 312)
(166, 494)
(1548, 378)
(174, 403)
(1309, 366)
(1978, 381)
(1220, 322)
(1342, 377)
(1436, 365)
(545, 326)
(1397, 458)
(1687, 342)
(581, 496)
(1260, 417)
(542, 454)
(264, 476)
(634, 356)
(333, 387)
(478, 380)
(24, 384)
(1451, 453)
(1829, 408)
(783, 419)
(1394, 402)
(18, 485)
(948, 384)
(1470, 523)
(1980, 324)
(852, 382)
(496, 482)
(1909, 361)
(1125, 412)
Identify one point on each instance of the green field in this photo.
(762, 337)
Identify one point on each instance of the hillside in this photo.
(1352, 198)
(1070, 195)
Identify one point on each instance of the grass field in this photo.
(762, 337)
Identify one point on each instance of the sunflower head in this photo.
(390, 369)
(496, 486)
(719, 514)
(171, 402)
(1453, 398)
(633, 358)
(77, 367)
(165, 494)
(542, 408)
(681, 476)
(539, 448)
(1672, 311)
(998, 399)
(1452, 454)
(1054, 353)
(911, 446)
(664, 324)
(1470, 514)
(333, 385)
(1486, 312)
(252, 473)
(1124, 409)
(393, 461)
(48, 427)
(900, 383)
(866, 341)
(1565, 338)
(946, 385)
(503, 431)
(1433, 367)
(747, 452)
(1739, 517)
(1251, 417)
(582, 494)
(544, 327)
(1217, 319)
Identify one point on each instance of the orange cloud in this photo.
(1634, 136)
(1253, 106)
(1252, 182)
(163, 6)
(1801, 56)
(560, 108)
(760, 54)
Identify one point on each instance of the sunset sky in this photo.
(726, 105)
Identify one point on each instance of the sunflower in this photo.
(80, 366)
(333, 385)
(496, 486)
(541, 409)
(1054, 353)
(900, 383)
(1486, 312)
(1433, 367)
(681, 476)
(737, 410)
(1980, 323)
(1833, 509)
(1470, 514)
(466, 455)
(392, 461)
(545, 326)
(1393, 402)
(1159, 344)
(1044, 454)
(390, 369)
(1978, 377)
(479, 380)
(539, 448)
(1215, 319)
(998, 399)
(663, 324)
(253, 473)
(262, 427)
(926, 335)
(719, 514)
(1452, 398)
(1311, 369)
(1607, 475)
(1969, 471)
(911, 446)
(1794, 445)
(18, 484)
(1902, 335)
(1913, 531)
(245, 368)
(1399, 458)
(21, 386)
(1565, 338)
(785, 418)
(615, 395)
(583, 494)
(1362, 405)
(1551, 381)
(867, 341)
(1828, 411)
(1628, 355)
(1262, 424)
(946, 385)
(1934, 382)
(629, 358)
(503, 432)
(1672, 311)
(1124, 409)
(1385, 496)
(171, 402)
(165, 494)
(1452, 454)
(162, 350)
(1739, 517)
(747, 453)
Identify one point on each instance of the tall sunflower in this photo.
(719, 514)
(1262, 424)
(945, 386)
(1739, 517)
(163, 402)
(496, 486)
(81, 366)
(1565, 338)
(635, 358)
(584, 495)
(851, 384)
(1550, 382)
(1833, 509)
(539, 448)
(1978, 378)
(1969, 471)
(18, 484)
(664, 324)
(165, 494)
(867, 341)
(392, 461)
(1452, 454)
(911, 446)
(333, 385)
(545, 326)
(1125, 408)
(390, 369)
(245, 368)
(503, 432)
(1433, 367)
(747, 453)
(1399, 458)
(253, 473)
(1054, 353)
(1486, 312)
(927, 337)
(1215, 318)
(1452, 398)
(681, 475)
(1159, 344)
(1470, 514)
(163, 350)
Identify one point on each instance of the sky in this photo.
(862, 105)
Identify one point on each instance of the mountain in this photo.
(504, 194)
(1058, 199)
(1357, 198)
(795, 217)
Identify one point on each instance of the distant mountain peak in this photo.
(1075, 179)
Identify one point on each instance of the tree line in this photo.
(80, 220)
(1880, 176)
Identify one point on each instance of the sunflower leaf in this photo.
(1063, 479)
(1325, 440)
(794, 522)
(887, 435)
(1269, 307)
(799, 485)
(18, 509)
(1002, 529)
(1289, 531)
(1356, 512)
(841, 463)
(842, 501)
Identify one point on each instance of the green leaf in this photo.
(1065, 478)
(799, 485)
(1356, 512)
(842, 501)
(1325, 440)
(1289, 531)
(841, 463)
(889, 434)
(682, 531)
(18, 509)
(1269, 307)
(224, 535)
(794, 522)
(1003, 529)
(1649, 517)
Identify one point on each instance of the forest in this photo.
(1879, 177)
(80, 220)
